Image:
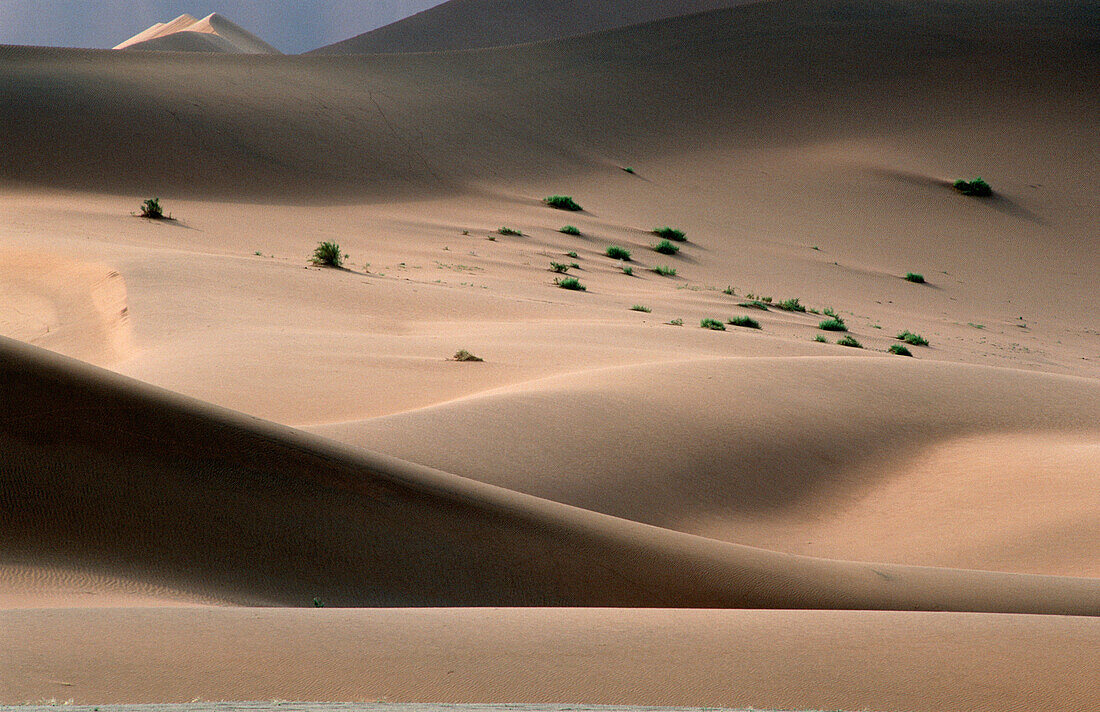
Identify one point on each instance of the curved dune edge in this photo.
(762, 659)
(930, 463)
(100, 469)
(74, 306)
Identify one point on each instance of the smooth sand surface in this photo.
(470, 24)
(195, 420)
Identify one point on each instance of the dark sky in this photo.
(289, 25)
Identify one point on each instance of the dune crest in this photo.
(66, 305)
(213, 33)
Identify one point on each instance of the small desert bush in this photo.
(510, 231)
(914, 277)
(569, 230)
(754, 305)
(664, 271)
(151, 209)
(666, 248)
(629, 170)
(829, 311)
(820, 339)
(561, 202)
(559, 267)
(745, 321)
(571, 254)
(670, 233)
(791, 305)
(328, 254)
(571, 283)
(977, 187)
(712, 324)
(849, 341)
(641, 308)
(676, 322)
(912, 339)
(464, 355)
(617, 253)
(628, 271)
(899, 350)
(832, 325)
(729, 290)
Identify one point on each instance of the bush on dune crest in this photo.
(562, 202)
(977, 188)
(666, 248)
(571, 283)
(328, 254)
(712, 324)
(617, 253)
(152, 209)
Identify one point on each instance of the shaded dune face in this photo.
(469, 24)
(766, 75)
(135, 481)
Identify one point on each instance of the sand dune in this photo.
(399, 125)
(213, 33)
(771, 463)
(469, 24)
(908, 516)
(258, 513)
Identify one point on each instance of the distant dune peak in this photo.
(213, 33)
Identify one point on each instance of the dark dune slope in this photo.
(109, 474)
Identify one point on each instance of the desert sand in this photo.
(213, 33)
(230, 474)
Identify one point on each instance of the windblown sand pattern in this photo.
(230, 474)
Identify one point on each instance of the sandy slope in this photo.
(213, 33)
(599, 456)
(468, 24)
(759, 659)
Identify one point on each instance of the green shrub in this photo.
(712, 324)
(670, 233)
(754, 305)
(562, 202)
(464, 355)
(977, 187)
(151, 209)
(628, 271)
(849, 341)
(569, 230)
(791, 305)
(676, 322)
(664, 271)
(745, 321)
(571, 254)
(729, 290)
(914, 277)
(617, 253)
(571, 283)
(629, 170)
(328, 254)
(509, 231)
(641, 308)
(666, 248)
(899, 350)
(832, 325)
(829, 311)
(820, 339)
(912, 339)
(559, 267)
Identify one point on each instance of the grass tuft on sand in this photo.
(327, 254)
(562, 202)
